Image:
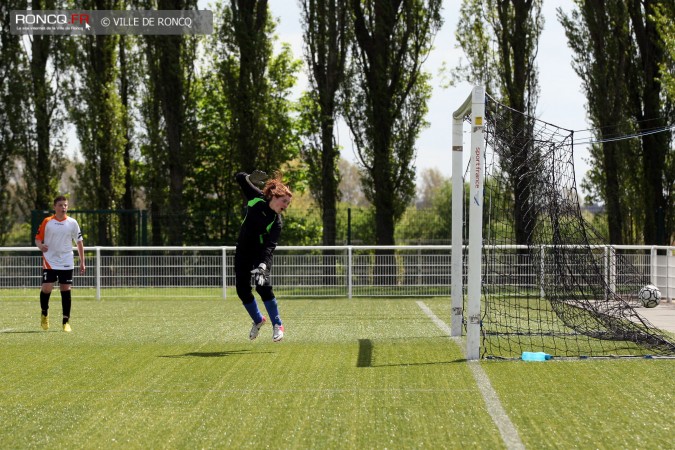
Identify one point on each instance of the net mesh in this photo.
(547, 284)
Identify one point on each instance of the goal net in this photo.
(537, 275)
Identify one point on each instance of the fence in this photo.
(307, 271)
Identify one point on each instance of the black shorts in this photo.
(51, 275)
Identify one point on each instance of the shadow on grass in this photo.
(365, 358)
(211, 354)
(23, 332)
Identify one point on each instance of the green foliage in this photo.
(211, 188)
(500, 40)
(99, 118)
(663, 19)
(385, 99)
(633, 178)
(664, 13)
(327, 38)
(476, 40)
(361, 229)
(505, 36)
(257, 85)
(302, 227)
(432, 225)
(213, 198)
(19, 235)
(14, 104)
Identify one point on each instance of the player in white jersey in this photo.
(55, 239)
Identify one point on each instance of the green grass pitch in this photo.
(360, 373)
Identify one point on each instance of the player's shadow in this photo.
(211, 354)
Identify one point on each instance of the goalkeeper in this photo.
(260, 230)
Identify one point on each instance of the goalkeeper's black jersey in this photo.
(261, 227)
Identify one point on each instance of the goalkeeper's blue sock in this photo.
(273, 311)
(253, 311)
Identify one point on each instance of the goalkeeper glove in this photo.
(258, 178)
(261, 275)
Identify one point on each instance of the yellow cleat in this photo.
(66, 327)
(44, 321)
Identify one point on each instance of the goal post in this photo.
(537, 278)
(474, 106)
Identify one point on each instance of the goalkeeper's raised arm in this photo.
(252, 185)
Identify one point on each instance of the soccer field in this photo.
(360, 373)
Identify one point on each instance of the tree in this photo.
(385, 99)
(153, 170)
(129, 64)
(619, 55)
(13, 106)
(650, 112)
(98, 117)
(430, 220)
(326, 38)
(598, 34)
(666, 27)
(246, 34)
(663, 18)
(513, 27)
(41, 153)
(213, 197)
(257, 87)
(177, 55)
(432, 181)
(351, 187)
(168, 108)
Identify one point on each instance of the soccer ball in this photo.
(650, 296)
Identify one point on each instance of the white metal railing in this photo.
(307, 271)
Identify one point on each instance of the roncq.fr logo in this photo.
(52, 19)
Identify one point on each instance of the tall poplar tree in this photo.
(257, 86)
(650, 112)
(665, 20)
(512, 28)
(619, 53)
(211, 191)
(326, 40)
(386, 99)
(168, 110)
(247, 33)
(14, 94)
(128, 84)
(42, 154)
(96, 109)
(153, 143)
(598, 34)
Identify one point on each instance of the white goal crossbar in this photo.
(475, 105)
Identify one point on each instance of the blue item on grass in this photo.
(535, 356)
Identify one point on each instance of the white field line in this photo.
(495, 409)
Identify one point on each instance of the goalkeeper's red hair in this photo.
(278, 195)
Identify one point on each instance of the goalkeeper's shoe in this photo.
(278, 333)
(66, 327)
(255, 329)
(44, 322)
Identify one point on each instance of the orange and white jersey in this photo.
(58, 236)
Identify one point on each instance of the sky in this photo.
(561, 101)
